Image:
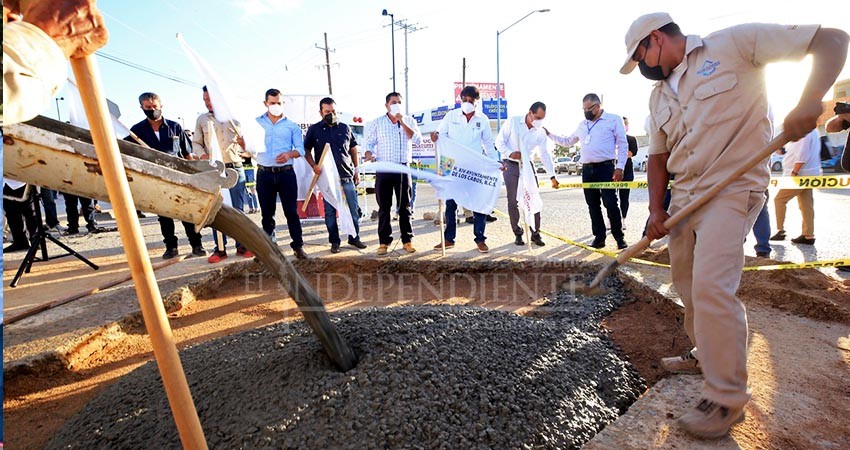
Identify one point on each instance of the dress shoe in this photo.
(598, 243)
(535, 239)
(491, 218)
(803, 240)
(170, 253)
(300, 253)
(470, 220)
(334, 248)
(383, 249)
(408, 247)
(763, 254)
(71, 231)
(518, 240)
(16, 248)
(449, 244)
(482, 247)
(198, 251)
(779, 236)
(356, 243)
(621, 244)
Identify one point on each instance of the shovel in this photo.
(594, 288)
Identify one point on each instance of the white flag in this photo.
(476, 179)
(527, 193)
(443, 185)
(331, 188)
(77, 115)
(215, 155)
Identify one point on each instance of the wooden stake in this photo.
(315, 178)
(153, 311)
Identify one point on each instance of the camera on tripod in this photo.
(842, 108)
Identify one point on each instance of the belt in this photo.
(506, 160)
(600, 163)
(233, 165)
(274, 169)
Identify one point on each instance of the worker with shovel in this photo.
(709, 115)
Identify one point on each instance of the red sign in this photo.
(487, 90)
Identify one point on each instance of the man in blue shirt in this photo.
(168, 137)
(275, 174)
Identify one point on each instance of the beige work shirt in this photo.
(224, 132)
(720, 115)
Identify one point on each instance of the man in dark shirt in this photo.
(343, 147)
(168, 137)
(838, 123)
(628, 172)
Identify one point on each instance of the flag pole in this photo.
(325, 151)
(150, 300)
(440, 204)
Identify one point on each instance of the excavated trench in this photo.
(451, 355)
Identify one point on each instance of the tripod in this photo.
(39, 241)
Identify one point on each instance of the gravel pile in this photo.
(429, 377)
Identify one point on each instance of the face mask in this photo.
(276, 110)
(153, 114)
(330, 119)
(589, 115)
(537, 123)
(467, 107)
(395, 108)
(655, 73)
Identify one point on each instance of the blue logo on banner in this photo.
(491, 109)
(439, 113)
(419, 118)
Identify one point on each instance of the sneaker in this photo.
(598, 243)
(244, 252)
(710, 420)
(779, 236)
(518, 240)
(621, 244)
(357, 243)
(762, 254)
(383, 249)
(686, 363)
(334, 248)
(300, 253)
(58, 229)
(217, 256)
(449, 244)
(482, 247)
(408, 247)
(803, 240)
(170, 253)
(535, 239)
(198, 251)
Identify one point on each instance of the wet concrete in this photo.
(428, 377)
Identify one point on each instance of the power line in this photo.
(146, 69)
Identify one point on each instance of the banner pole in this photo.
(440, 204)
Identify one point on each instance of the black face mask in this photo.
(655, 73)
(330, 119)
(589, 115)
(153, 114)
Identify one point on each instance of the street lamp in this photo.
(498, 84)
(392, 39)
(58, 117)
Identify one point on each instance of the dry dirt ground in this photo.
(36, 405)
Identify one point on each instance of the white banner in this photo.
(476, 180)
(331, 189)
(527, 193)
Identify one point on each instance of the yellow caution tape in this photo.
(783, 266)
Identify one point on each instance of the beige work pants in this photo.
(806, 201)
(707, 256)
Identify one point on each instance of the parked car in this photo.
(574, 166)
(561, 164)
(538, 167)
(639, 160)
(830, 155)
(776, 162)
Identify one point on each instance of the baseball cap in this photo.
(640, 29)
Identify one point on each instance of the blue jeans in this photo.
(330, 214)
(282, 184)
(761, 230)
(479, 223)
(237, 201)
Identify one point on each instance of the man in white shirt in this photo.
(802, 159)
(471, 128)
(389, 138)
(604, 151)
(527, 130)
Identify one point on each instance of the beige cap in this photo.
(641, 28)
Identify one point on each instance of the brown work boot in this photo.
(449, 244)
(710, 420)
(408, 247)
(300, 253)
(482, 247)
(383, 249)
(682, 364)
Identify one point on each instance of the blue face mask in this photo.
(655, 73)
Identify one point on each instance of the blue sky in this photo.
(555, 57)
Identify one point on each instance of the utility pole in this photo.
(463, 75)
(411, 28)
(328, 51)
